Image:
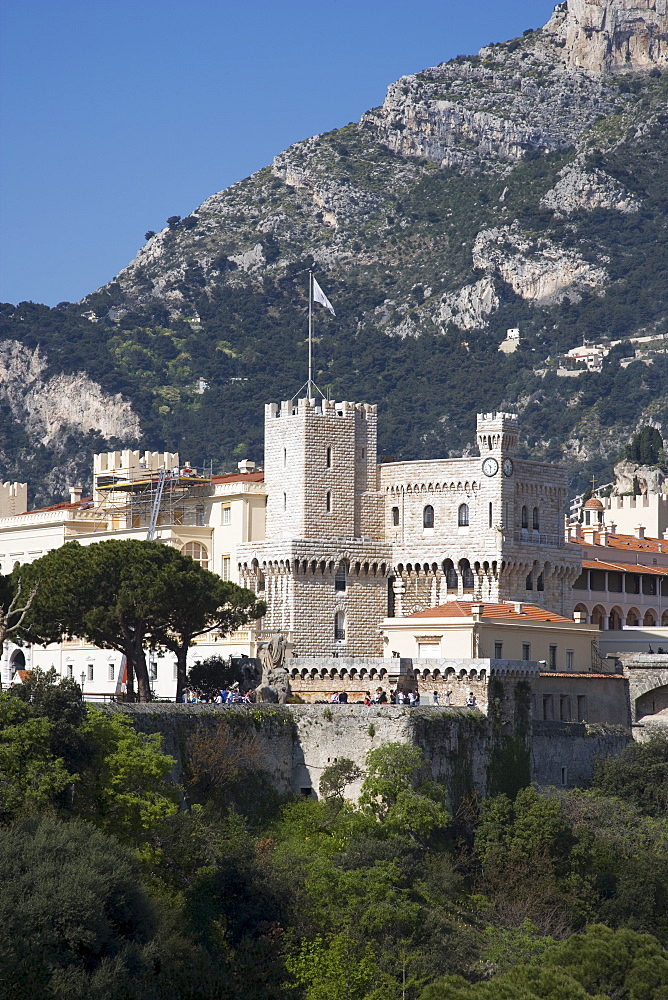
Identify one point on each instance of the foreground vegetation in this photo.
(117, 883)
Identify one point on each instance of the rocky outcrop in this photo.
(468, 308)
(648, 478)
(579, 189)
(611, 36)
(535, 268)
(49, 408)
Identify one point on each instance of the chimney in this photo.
(476, 611)
(75, 494)
(640, 531)
(518, 608)
(612, 529)
(590, 534)
(603, 536)
(246, 466)
(579, 617)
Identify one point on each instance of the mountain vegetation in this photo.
(118, 883)
(512, 189)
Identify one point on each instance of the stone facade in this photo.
(350, 542)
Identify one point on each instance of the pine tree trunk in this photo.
(181, 670)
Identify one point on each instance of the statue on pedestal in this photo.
(275, 684)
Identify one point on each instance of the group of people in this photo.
(399, 697)
(224, 697)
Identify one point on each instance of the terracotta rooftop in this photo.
(594, 504)
(555, 673)
(624, 567)
(240, 477)
(462, 609)
(65, 505)
(627, 542)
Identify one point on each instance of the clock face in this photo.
(508, 466)
(490, 466)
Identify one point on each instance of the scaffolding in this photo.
(149, 491)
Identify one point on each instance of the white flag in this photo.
(319, 296)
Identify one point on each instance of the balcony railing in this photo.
(339, 634)
(526, 537)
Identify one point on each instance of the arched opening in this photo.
(652, 702)
(525, 517)
(633, 617)
(395, 517)
(339, 626)
(450, 573)
(649, 620)
(467, 574)
(615, 620)
(428, 516)
(17, 661)
(664, 618)
(197, 552)
(598, 616)
(583, 610)
(463, 515)
(535, 520)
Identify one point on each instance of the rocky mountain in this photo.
(523, 187)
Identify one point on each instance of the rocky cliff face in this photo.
(50, 407)
(611, 36)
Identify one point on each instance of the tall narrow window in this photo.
(529, 582)
(199, 516)
(340, 578)
(569, 659)
(70, 671)
(90, 672)
(227, 515)
(525, 517)
(428, 516)
(463, 515)
(395, 517)
(328, 502)
(111, 671)
(285, 501)
(526, 650)
(491, 513)
(329, 458)
(339, 626)
(553, 658)
(540, 583)
(225, 568)
(536, 519)
(285, 457)
(498, 650)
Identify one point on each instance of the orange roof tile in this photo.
(240, 477)
(624, 567)
(627, 542)
(462, 609)
(65, 505)
(554, 673)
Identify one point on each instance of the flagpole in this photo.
(310, 333)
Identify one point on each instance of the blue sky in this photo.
(117, 115)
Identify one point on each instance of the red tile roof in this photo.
(462, 609)
(240, 477)
(627, 542)
(554, 673)
(624, 567)
(65, 505)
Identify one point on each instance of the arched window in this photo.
(633, 617)
(467, 575)
(463, 515)
(525, 517)
(340, 577)
(536, 519)
(395, 517)
(529, 582)
(428, 516)
(339, 626)
(198, 552)
(540, 583)
(450, 573)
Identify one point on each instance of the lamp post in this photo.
(83, 681)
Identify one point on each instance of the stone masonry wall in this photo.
(563, 754)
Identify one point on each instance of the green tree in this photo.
(335, 779)
(31, 776)
(638, 775)
(125, 790)
(388, 792)
(74, 920)
(646, 447)
(193, 602)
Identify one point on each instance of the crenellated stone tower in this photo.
(323, 569)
